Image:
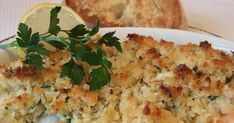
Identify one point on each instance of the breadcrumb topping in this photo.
(152, 81)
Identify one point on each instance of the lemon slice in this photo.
(38, 18)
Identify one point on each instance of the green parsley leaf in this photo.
(24, 35)
(104, 61)
(91, 58)
(35, 39)
(85, 39)
(99, 78)
(30, 42)
(25, 38)
(95, 29)
(57, 42)
(54, 21)
(96, 58)
(212, 97)
(74, 71)
(110, 40)
(24, 32)
(85, 53)
(34, 60)
(78, 31)
(80, 50)
(38, 49)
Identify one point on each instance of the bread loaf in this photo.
(131, 13)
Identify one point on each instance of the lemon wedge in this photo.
(38, 18)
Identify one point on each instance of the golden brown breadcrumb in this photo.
(152, 81)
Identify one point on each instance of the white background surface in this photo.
(11, 12)
(214, 16)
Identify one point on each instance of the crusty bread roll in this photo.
(136, 13)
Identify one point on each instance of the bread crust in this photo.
(127, 13)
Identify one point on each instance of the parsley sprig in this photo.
(76, 43)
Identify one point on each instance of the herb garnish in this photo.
(76, 43)
(212, 97)
(30, 43)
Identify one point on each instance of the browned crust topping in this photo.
(176, 90)
(165, 90)
(63, 90)
(134, 37)
(169, 91)
(199, 74)
(205, 44)
(206, 84)
(182, 70)
(20, 72)
(151, 82)
(153, 53)
(146, 110)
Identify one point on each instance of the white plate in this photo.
(177, 36)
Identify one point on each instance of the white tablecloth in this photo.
(213, 16)
(11, 12)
